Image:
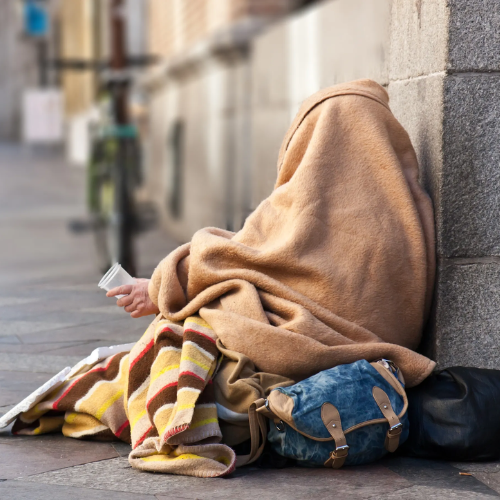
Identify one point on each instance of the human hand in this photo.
(136, 300)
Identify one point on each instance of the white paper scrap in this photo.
(84, 365)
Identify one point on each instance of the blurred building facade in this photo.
(200, 99)
(22, 57)
(233, 75)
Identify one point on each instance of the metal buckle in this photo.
(344, 450)
(280, 426)
(395, 429)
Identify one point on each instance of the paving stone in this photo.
(123, 449)
(434, 493)
(25, 456)
(250, 483)
(9, 328)
(51, 348)
(39, 363)
(16, 385)
(22, 490)
(489, 478)
(120, 331)
(11, 339)
(77, 349)
(487, 467)
(436, 475)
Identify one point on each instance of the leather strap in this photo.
(331, 419)
(395, 426)
(258, 433)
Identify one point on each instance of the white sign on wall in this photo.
(42, 116)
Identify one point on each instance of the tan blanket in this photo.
(336, 265)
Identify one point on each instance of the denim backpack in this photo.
(351, 414)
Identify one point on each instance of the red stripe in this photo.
(168, 329)
(202, 334)
(193, 375)
(141, 355)
(143, 437)
(95, 370)
(174, 431)
(122, 428)
(164, 387)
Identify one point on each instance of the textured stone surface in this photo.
(467, 314)
(440, 476)
(418, 105)
(16, 385)
(250, 483)
(492, 480)
(474, 37)
(21, 490)
(418, 38)
(24, 456)
(40, 363)
(470, 198)
(428, 493)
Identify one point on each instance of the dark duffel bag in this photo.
(455, 415)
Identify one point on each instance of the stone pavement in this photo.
(52, 314)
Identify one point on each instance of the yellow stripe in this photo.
(137, 418)
(203, 422)
(198, 321)
(162, 371)
(70, 417)
(223, 460)
(168, 458)
(100, 412)
(201, 365)
(185, 407)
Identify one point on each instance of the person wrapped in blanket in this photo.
(336, 265)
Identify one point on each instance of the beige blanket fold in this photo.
(336, 265)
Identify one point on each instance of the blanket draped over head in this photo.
(336, 265)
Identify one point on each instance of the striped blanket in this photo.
(159, 397)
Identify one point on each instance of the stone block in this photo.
(418, 105)
(466, 319)
(474, 35)
(470, 197)
(419, 38)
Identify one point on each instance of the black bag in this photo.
(455, 415)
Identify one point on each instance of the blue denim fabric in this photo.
(349, 389)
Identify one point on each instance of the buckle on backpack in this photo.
(395, 430)
(337, 457)
(340, 452)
